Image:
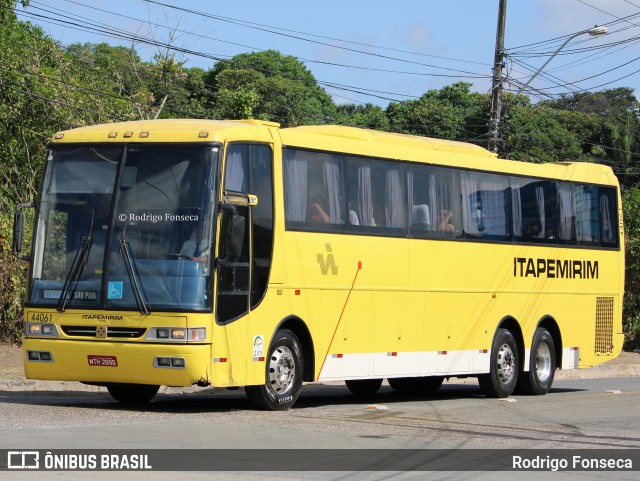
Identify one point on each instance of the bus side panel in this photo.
(348, 356)
(399, 333)
(230, 353)
(448, 333)
(588, 324)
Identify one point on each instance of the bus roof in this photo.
(388, 138)
(170, 130)
(177, 130)
(335, 138)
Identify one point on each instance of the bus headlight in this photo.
(41, 329)
(177, 334)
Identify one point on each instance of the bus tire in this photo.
(284, 371)
(132, 393)
(363, 387)
(416, 385)
(503, 370)
(542, 365)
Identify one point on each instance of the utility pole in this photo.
(496, 84)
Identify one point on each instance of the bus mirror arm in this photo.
(18, 230)
(240, 198)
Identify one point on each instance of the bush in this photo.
(13, 276)
(631, 309)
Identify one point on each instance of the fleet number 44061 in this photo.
(41, 317)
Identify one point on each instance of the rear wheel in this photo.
(417, 385)
(503, 371)
(363, 387)
(542, 365)
(132, 393)
(284, 374)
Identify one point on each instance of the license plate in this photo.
(108, 361)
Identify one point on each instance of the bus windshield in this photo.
(125, 227)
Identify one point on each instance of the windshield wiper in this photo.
(132, 272)
(77, 266)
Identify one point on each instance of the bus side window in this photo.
(608, 217)
(313, 189)
(434, 194)
(586, 214)
(237, 169)
(486, 205)
(533, 209)
(376, 193)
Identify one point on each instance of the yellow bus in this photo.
(241, 254)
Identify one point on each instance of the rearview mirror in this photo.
(232, 232)
(18, 230)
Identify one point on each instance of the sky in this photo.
(373, 51)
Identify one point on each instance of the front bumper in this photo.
(102, 362)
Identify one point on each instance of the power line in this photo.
(298, 37)
(467, 74)
(249, 23)
(117, 33)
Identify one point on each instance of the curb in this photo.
(632, 370)
(30, 385)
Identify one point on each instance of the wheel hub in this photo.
(543, 362)
(282, 370)
(506, 364)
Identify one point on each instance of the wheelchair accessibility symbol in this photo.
(115, 290)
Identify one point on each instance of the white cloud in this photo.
(419, 36)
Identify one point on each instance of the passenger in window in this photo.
(317, 211)
(550, 233)
(353, 217)
(420, 218)
(533, 229)
(478, 217)
(197, 247)
(445, 221)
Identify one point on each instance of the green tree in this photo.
(190, 96)
(268, 86)
(614, 139)
(26, 59)
(112, 64)
(22, 145)
(538, 133)
(606, 103)
(453, 112)
(368, 116)
(631, 310)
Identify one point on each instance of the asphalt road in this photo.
(578, 413)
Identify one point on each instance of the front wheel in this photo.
(542, 365)
(503, 370)
(284, 372)
(132, 393)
